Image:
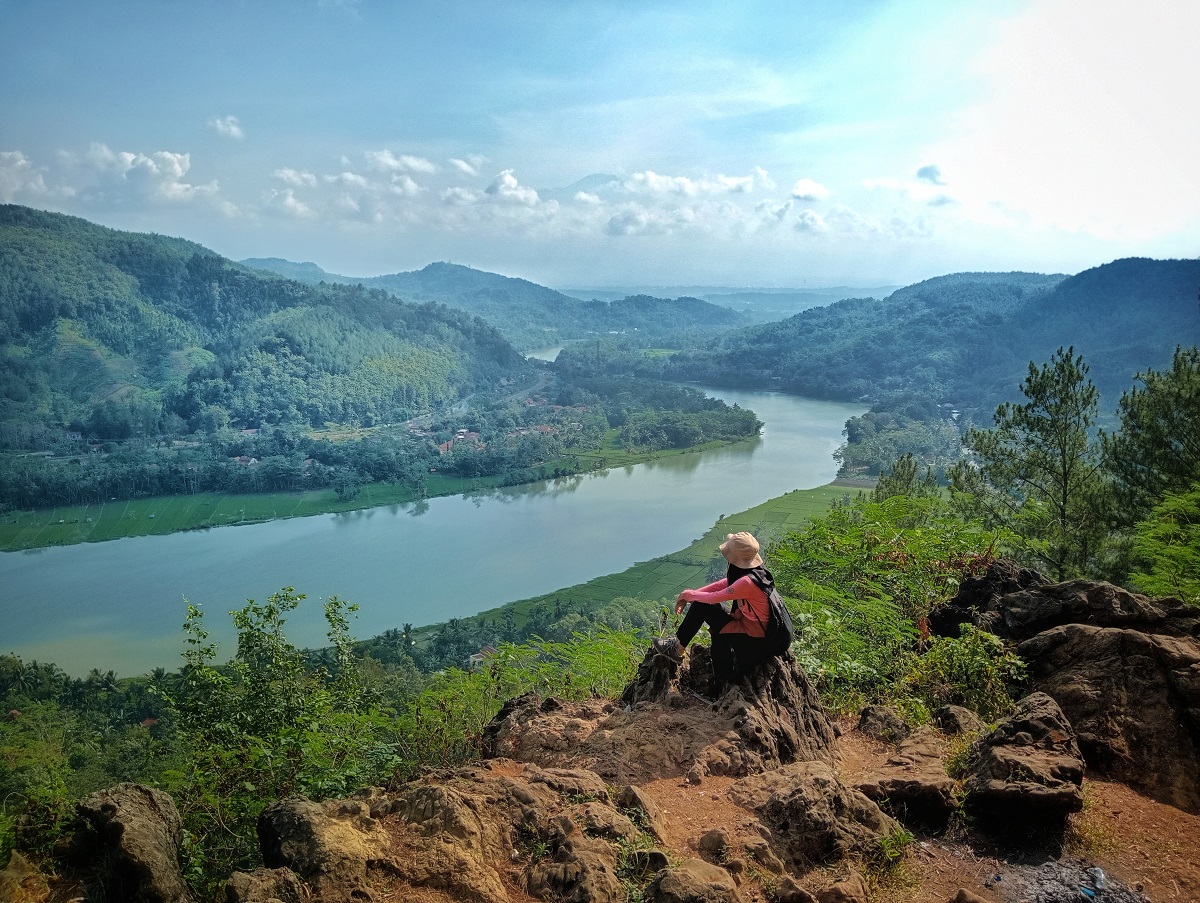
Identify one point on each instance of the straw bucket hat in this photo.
(741, 550)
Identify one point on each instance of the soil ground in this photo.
(1141, 843)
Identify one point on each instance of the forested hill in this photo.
(529, 315)
(123, 334)
(967, 338)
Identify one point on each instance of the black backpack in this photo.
(779, 633)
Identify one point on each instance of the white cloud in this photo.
(764, 179)
(387, 161)
(296, 177)
(464, 167)
(404, 186)
(18, 178)
(505, 187)
(584, 197)
(285, 202)
(773, 211)
(810, 221)
(650, 182)
(123, 176)
(459, 196)
(348, 180)
(228, 126)
(809, 190)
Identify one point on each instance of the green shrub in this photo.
(974, 670)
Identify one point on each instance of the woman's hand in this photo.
(680, 602)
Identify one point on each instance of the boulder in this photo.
(131, 835)
(771, 718)
(1133, 699)
(655, 675)
(812, 818)
(22, 882)
(883, 723)
(954, 719)
(1029, 770)
(1016, 604)
(265, 886)
(913, 785)
(582, 870)
(695, 881)
(850, 890)
(643, 811)
(791, 892)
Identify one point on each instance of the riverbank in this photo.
(662, 578)
(42, 528)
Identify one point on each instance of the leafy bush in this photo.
(974, 670)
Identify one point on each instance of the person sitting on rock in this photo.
(735, 609)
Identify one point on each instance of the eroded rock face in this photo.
(913, 785)
(1029, 770)
(131, 835)
(883, 723)
(1133, 699)
(762, 722)
(472, 833)
(22, 882)
(954, 719)
(264, 886)
(695, 881)
(812, 817)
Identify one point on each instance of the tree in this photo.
(1037, 472)
(1157, 448)
(904, 479)
(1167, 547)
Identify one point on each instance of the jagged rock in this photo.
(883, 723)
(1133, 699)
(644, 811)
(264, 886)
(759, 850)
(1019, 607)
(954, 719)
(695, 881)
(607, 822)
(812, 817)
(22, 882)
(791, 892)
(1029, 770)
(696, 675)
(769, 719)
(913, 785)
(131, 836)
(653, 681)
(851, 890)
(582, 871)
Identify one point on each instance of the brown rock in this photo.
(965, 896)
(131, 836)
(812, 817)
(1133, 699)
(1029, 770)
(22, 882)
(913, 785)
(264, 886)
(643, 811)
(851, 890)
(954, 719)
(695, 881)
(582, 871)
(883, 723)
(791, 892)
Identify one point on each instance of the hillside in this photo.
(129, 334)
(527, 314)
(966, 338)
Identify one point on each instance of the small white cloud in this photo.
(809, 190)
(773, 211)
(505, 187)
(123, 176)
(404, 186)
(584, 197)
(931, 173)
(296, 177)
(764, 179)
(460, 196)
(285, 202)
(810, 221)
(228, 126)
(653, 183)
(464, 167)
(387, 161)
(18, 177)
(348, 180)
(229, 209)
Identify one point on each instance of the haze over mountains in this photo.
(527, 314)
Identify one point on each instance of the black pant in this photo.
(734, 655)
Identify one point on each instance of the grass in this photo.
(21, 530)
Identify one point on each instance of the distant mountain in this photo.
(124, 333)
(757, 305)
(527, 314)
(967, 338)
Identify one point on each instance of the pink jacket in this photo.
(751, 613)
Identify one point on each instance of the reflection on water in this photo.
(419, 562)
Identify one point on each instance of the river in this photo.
(120, 604)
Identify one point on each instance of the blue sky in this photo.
(591, 144)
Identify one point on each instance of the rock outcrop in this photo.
(132, 834)
(694, 881)
(1124, 668)
(883, 723)
(811, 817)
(762, 722)
(914, 786)
(22, 882)
(1029, 771)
